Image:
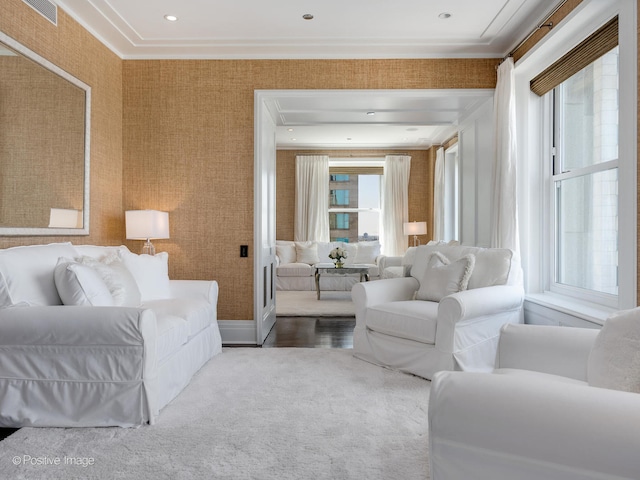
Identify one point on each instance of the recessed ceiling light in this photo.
(293, 139)
(307, 16)
(371, 113)
(289, 129)
(171, 18)
(412, 129)
(444, 15)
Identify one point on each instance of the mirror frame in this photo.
(37, 231)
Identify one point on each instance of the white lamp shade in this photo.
(65, 218)
(415, 228)
(146, 224)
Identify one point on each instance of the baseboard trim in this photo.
(238, 332)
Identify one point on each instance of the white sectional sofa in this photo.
(97, 336)
(295, 264)
(446, 315)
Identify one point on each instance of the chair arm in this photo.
(556, 350)
(71, 325)
(205, 289)
(486, 426)
(385, 261)
(468, 305)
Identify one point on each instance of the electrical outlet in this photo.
(244, 250)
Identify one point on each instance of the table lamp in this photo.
(147, 225)
(415, 229)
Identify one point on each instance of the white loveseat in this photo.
(446, 315)
(562, 404)
(296, 261)
(97, 336)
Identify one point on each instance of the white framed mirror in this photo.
(45, 116)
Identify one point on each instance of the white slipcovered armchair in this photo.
(562, 404)
(445, 316)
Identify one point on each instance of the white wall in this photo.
(475, 140)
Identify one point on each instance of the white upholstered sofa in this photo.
(446, 315)
(97, 336)
(563, 404)
(295, 264)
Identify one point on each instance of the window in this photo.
(584, 182)
(354, 199)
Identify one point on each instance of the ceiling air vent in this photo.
(46, 8)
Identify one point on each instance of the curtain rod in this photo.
(544, 23)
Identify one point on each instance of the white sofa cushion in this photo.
(117, 277)
(26, 274)
(307, 252)
(286, 253)
(197, 313)
(413, 320)
(173, 332)
(352, 252)
(324, 248)
(367, 252)
(79, 284)
(151, 273)
(614, 360)
(295, 270)
(442, 278)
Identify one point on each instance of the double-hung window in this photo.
(584, 182)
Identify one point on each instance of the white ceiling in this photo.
(259, 29)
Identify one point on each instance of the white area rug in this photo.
(306, 304)
(250, 413)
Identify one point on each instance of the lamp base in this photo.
(415, 241)
(148, 248)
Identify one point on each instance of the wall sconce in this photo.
(65, 218)
(147, 225)
(415, 229)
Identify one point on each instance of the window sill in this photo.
(589, 312)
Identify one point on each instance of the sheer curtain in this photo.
(504, 221)
(438, 196)
(312, 198)
(395, 204)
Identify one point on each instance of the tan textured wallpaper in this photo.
(72, 48)
(420, 186)
(188, 147)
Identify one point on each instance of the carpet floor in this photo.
(306, 304)
(252, 413)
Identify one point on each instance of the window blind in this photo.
(356, 170)
(589, 50)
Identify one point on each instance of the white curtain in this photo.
(312, 198)
(438, 196)
(504, 221)
(395, 204)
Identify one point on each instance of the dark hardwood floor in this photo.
(303, 332)
(311, 332)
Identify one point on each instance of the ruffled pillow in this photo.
(81, 285)
(117, 277)
(442, 278)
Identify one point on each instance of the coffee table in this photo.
(330, 269)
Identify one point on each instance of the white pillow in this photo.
(286, 253)
(117, 277)
(307, 252)
(614, 360)
(151, 273)
(79, 284)
(442, 278)
(352, 252)
(367, 252)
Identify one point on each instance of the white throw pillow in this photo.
(614, 360)
(117, 277)
(151, 273)
(352, 253)
(286, 253)
(307, 252)
(367, 252)
(442, 278)
(79, 284)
